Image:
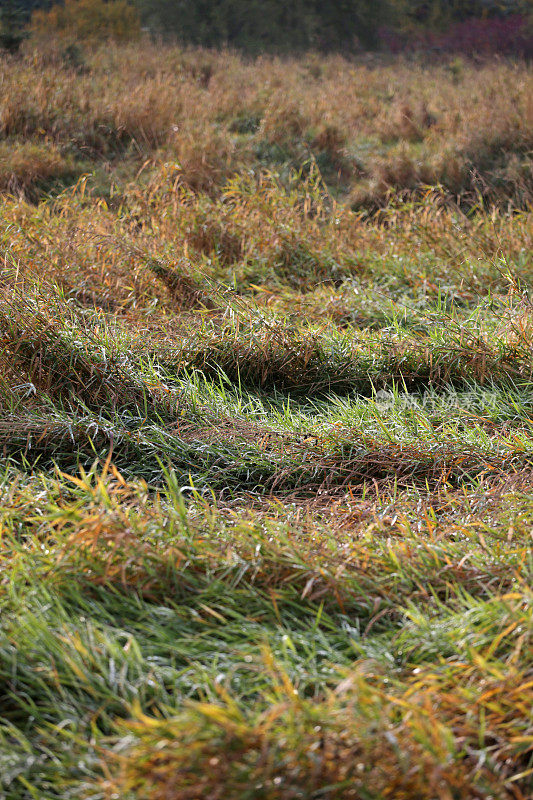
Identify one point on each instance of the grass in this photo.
(266, 416)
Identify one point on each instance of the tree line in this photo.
(279, 25)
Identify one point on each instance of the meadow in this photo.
(266, 426)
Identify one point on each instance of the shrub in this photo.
(510, 36)
(88, 19)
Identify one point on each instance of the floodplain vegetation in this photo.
(266, 427)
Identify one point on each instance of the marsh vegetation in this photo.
(266, 426)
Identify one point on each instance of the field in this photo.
(266, 394)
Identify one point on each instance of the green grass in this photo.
(116, 606)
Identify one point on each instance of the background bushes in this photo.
(268, 24)
(467, 26)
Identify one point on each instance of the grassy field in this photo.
(266, 394)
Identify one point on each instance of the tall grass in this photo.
(372, 129)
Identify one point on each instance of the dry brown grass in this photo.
(214, 113)
(26, 166)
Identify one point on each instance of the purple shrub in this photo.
(510, 37)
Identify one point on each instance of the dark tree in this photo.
(268, 24)
(13, 17)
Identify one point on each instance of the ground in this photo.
(266, 427)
